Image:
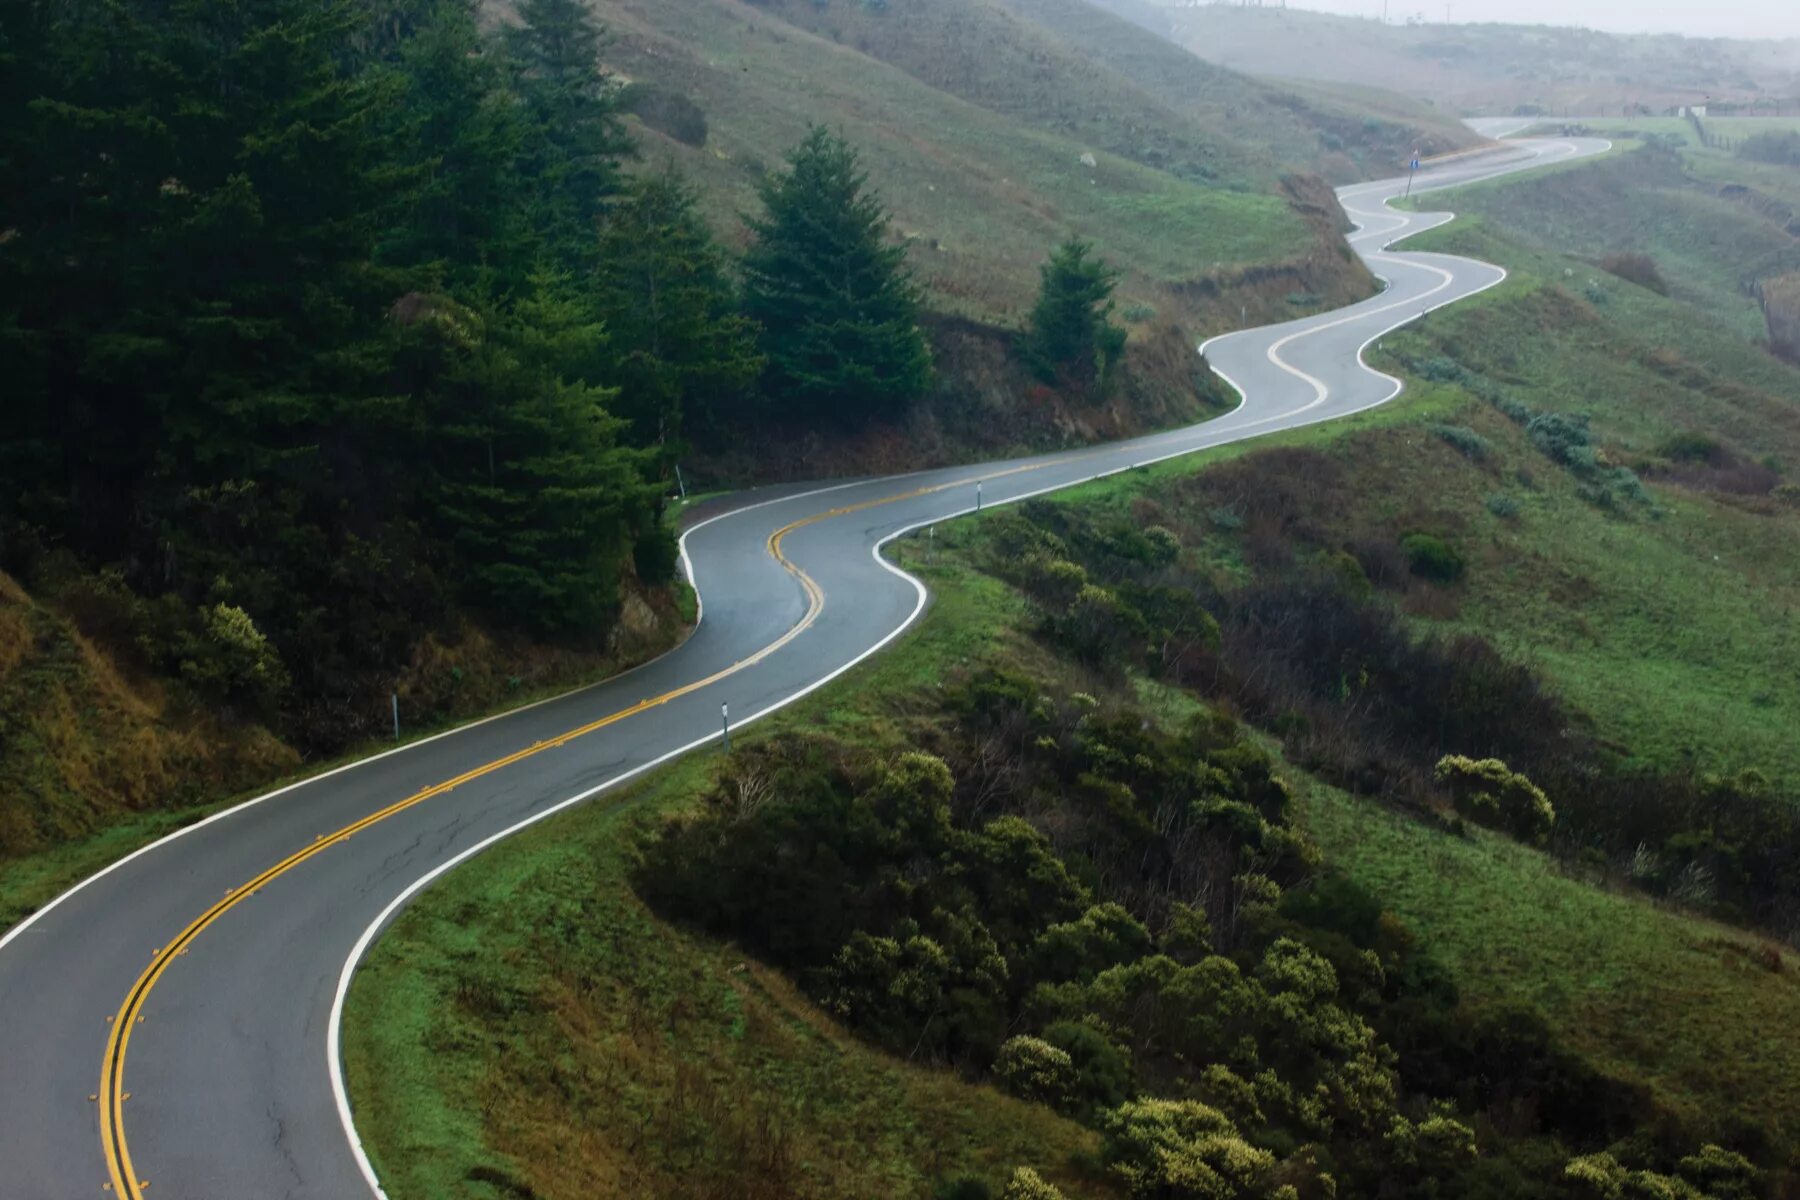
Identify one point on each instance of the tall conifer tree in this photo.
(683, 352)
(574, 158)
(838, 308)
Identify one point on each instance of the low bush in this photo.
(1503, 506)
(1564, 438)
(1027, 1184)
(1465, 441)
(1692, 447)
(1489, 793)
(1431, 557)
(1033, 1069)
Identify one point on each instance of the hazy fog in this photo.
(1721, 18)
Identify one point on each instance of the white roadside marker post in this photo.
(725, 719)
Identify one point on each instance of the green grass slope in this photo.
(1071, 67)
(975, 117)
(1715, 224)
(530, 1027)
(1685, 1005)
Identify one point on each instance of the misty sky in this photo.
(1713, 18)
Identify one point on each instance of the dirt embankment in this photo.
(89, 737)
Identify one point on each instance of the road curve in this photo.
(172, 1023)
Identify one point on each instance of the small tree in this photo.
(1071, 334)
(1033, 1069)
(1488, 792)
(838, 308)
(577, 136)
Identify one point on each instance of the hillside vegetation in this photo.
(1089, 891)
(270, 518)
(1522, 882)
(1491, 67)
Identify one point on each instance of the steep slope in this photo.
(980, 195)
(1073, 68)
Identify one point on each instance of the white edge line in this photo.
(334, 1032)
(362, 944)
(44, 910)
(334, 1029)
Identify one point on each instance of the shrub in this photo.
(1137, 314)
(1692, 447)
(1516, 411)
(1636, 268)
(1102, 1067)
(1027, 1184)
(1433, 1149)
(1565, 438)
(1788, 494)
(1097, 629)
(1465, 441)
(1053, 581)
(1503, 506)
(963, 1187)
(1440, 369)
(1181, 1150)
(231, 660)
(1032, 1069)
(1164, 546)
(1489, 793)
(1431, 557)
(1225, 517)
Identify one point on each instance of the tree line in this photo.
(322, 322)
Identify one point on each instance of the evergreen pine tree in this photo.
(458, 125)
(573, 157)
(838, 308)
(683, 353)
(526, 479)
(1071, 334)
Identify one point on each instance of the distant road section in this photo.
(172, 1023)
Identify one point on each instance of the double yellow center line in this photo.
(124, 1179)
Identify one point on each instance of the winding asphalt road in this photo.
(172, 1023)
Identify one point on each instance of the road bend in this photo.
(170, 1026)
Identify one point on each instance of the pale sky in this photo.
(1699, 18)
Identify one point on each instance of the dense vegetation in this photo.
(1115, 915)
(330, 326)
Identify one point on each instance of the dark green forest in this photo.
(323, 324)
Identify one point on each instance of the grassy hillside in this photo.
(980, 197)
(625, 1057)
(1073, 68)
(1714, 224)
(1683, 1004)
(641, 1028)
(1493, 68)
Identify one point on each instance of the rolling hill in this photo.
(1494, 68)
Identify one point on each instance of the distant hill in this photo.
(976, 118)
(1492, 68)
